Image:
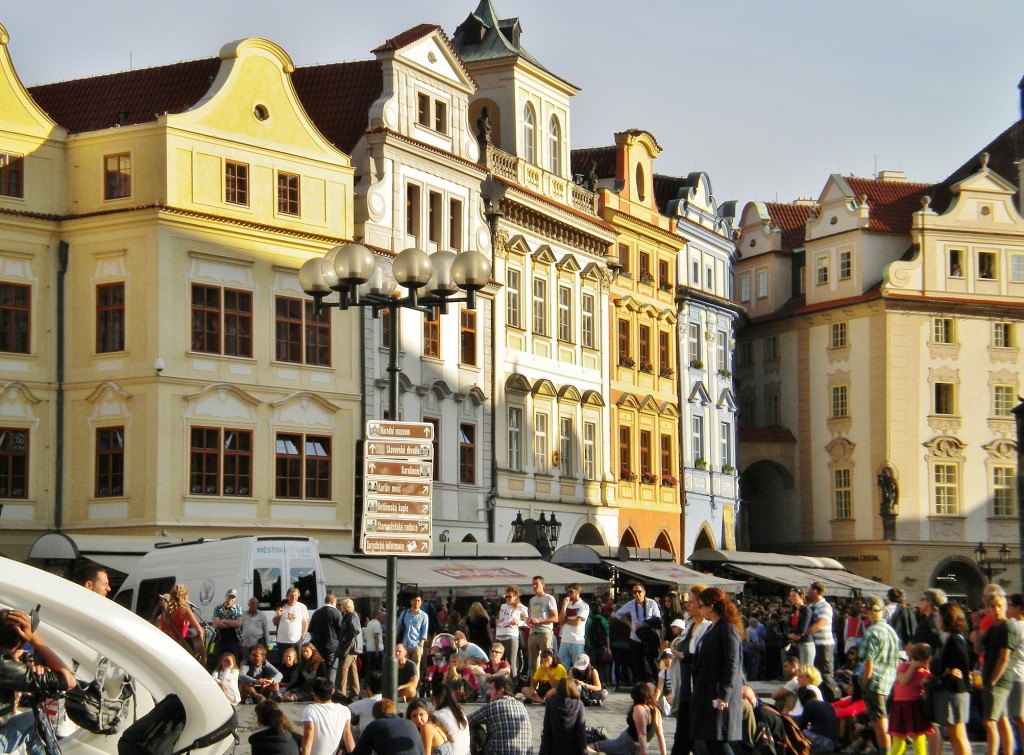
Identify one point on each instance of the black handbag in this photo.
(928, 703)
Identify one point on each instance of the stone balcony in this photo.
(537, 179)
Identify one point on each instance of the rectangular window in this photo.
(955, 263)
(566, 447)
(440, 117)
(220, 461)
(664, 277)
(303, 467)
(467, 454)
(722, 350)
(467, 337)
(664, 353)
(13, 462)
(412, 211)
(624, 258)
(432, 334)
(842, 494)
(625, 453)
(209, 321)
(646, 456)
(436, 442)
(821, 270)
(455, 225)
(117, 176)
(942, 330)
(1017, 268)
(540, 443)
(589, 451)
(1004, 491)
(697, 439)
(772, 412)
(840, 396)
(109, 462)
(236, 183)
(423, 110)
(300, 335)
(771, 348)
(625, 357)
(746, 356)
(1003, 400)
(693, 336)
(725, 444)
(762, 284)
(987, 265)
(838, 335)
(565, 314)
(206, 317)
(944, 398)
(512, 300)
(709, 278)
(587, 324)
(435, 218)
(515, 438)
(744, 288)
(109, 317)
(644, 347)
(15, 318)
(645, 268)
(947, 490)
(288, 193)
(695, 273)
(12, 175)
(667, 468)
(540, 307)
(845, 265)
(385, 328)
(237, 323)
(1002, 335)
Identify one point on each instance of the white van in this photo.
(264, 566)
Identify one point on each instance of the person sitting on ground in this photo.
(505, 719)
(588, 680)
(434, 736)
(451, 716)
(389, 733)
(546, 678)
(291, 677)
(46, 676)
(408, 673)
(362, 709)
(495, 667)
(818, 721)
(313, 667)
(276, 735)
(226, 675)
(471, 657)
(565, 726)
(785, 695)
(809, 678)
(642, 725)
(325, 723)
(258, 678)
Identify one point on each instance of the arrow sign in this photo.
(396, 526)
(399, 469)
(393, 507)
(382, 430)
(396, 545)
(411, 450)
(400, 487)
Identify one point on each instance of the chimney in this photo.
(892, 175)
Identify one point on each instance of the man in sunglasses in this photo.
(641, 615)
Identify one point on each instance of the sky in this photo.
(768, 97)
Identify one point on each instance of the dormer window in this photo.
(529, 134)
(555, 145)
(12, 172)
(431, 113)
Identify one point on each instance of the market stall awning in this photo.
(669, 572)
(477, 577)
(348, 581)
(118, 552)
(791, 577)
(862, 585)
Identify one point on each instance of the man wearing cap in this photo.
(880, 652)
(46, 676)
(820, 631)
(927, 630)
(227, 622)
(572, 615)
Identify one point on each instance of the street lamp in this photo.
(352, 271)
(987, 566)
(518, 528)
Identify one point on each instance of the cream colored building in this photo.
(200, 394)
(897, 356)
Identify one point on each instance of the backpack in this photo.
(598, 634)
(795, 743)
(156, 732)
(778, 734)
(89, 707)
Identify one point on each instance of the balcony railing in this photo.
(537, 179)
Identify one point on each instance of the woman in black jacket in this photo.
(565, 728)
(278, 736)
(716, 705)
(952, 665)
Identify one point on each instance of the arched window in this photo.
(529, 134)
(555, 145)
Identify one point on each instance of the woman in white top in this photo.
(511, 616)
(226, 675)
(450, 715)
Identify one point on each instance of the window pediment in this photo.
(517, 383)
(699, 393)
(945, 447)
(544, 255)
(568, 264)
(544, 387)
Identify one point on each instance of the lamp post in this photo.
(986, 565)
(546, 532)
(351, 271)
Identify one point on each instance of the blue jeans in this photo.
(21, 730)
(567, 652)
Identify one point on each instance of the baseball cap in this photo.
(581, 662)
(232, 593)
(678, 624)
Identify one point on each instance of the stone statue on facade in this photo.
(483, 125)
(592, 175)
(888, 507)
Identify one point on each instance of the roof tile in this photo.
(890, 203)
(791, 219)
(603, 156)
(338, 96)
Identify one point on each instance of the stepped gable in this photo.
(126, 98)
(338, 96)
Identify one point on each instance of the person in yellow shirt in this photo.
(546, 678)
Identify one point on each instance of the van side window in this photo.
(304, 578)
(124, 598)
(149, 589)
(266, 587)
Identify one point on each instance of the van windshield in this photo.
(266, 587)
(303, 576)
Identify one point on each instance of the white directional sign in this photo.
(398, 471)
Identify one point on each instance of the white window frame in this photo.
(565, 314)
(566, 446)
(1003, 400)
(697, 437)
(842, 493)
(540, 442)
(540, 306)
(513, 297)
(1004, 490)
(529, 134)
(589, 450)
(514, 416)
(840, 401)
(821, 270)
(945, 488)
(588, 321)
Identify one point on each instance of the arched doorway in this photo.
(469, 538)
(960, 578)
(589, 534)
(665, 543)
(705, 539)
(770, 512)
(629, 539)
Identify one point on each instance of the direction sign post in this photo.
(398, 473)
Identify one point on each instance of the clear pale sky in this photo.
(767, 96)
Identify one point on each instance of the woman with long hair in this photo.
(478, 625)
(716, 705)
(643, 723)
(180, 623)
(312, 664)
(291, 677)
(565, 727)
(432, 733)
(226, 675)
(276, 735)
(511, 616)
(450, 715)
(952, 665)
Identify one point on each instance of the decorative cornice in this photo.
(549, 227)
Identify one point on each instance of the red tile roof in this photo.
(791, 219)
(126, 98)
(603, 156)
(338, 97)
(1003, 153)
(765, 435)
(890, 203)
(666, 188)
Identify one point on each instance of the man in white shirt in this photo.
(373, 642)
(292, 621)
(362, 709)
(543, 614)
(573, 617)
(325, 723)
(637, 614)
(255, 630)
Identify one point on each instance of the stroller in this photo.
(442, 648)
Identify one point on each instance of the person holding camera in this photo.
(643, 617)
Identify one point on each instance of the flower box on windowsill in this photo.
(666, 287)
(667, 372)
(701, 464)
(728, 469)
(648, 479)
(627, 362)
(647, 279)
(668, 481)
(626, 476)
(646, 366)
(696, 364)
(725, 373)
